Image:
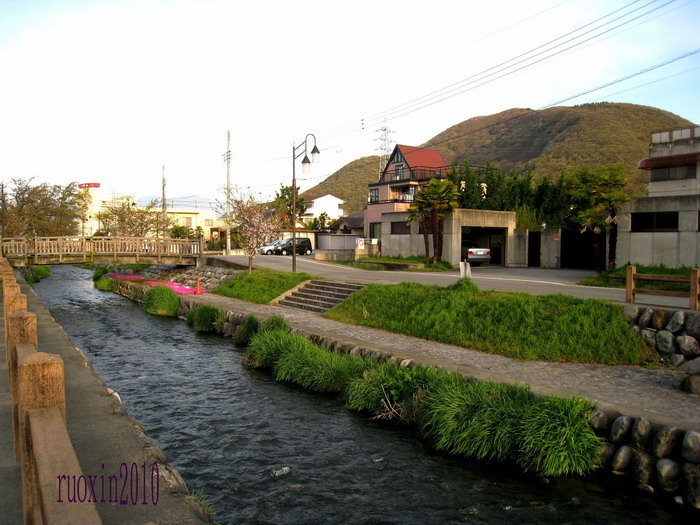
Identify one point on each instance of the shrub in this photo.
(315, 368)
(161, 300)
(105, 284)
(99, 272)
(202, 318)
(390, 392)
(555, 437)
(221, 318)
(246, 331)
(275, 322)
(267, 347)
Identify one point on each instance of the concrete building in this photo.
(664, 228)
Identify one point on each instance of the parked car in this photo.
(303, 246)
(475, 254)
(269, 249)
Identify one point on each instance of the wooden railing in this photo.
(70, 248)
(631, 290)
(37, 391)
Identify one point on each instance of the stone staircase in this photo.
(319, 296)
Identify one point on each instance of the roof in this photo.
(354, 220)
(423, 157)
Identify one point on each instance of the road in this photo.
(530, 280)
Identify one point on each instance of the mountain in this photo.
(551, 141)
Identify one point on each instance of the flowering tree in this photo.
(254, 224)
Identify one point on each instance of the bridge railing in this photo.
(37, 390)
(126, 246)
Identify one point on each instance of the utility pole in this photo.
(164, 218)
(228, 192)
(3, 203)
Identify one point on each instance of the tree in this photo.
(421, 216)
(282, 205)
(41, 210)
(433, 202)
(470, 191)
(599, 195)
(319, 223)
(128, 220)
(254, 226)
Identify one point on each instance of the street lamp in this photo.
(297, 152)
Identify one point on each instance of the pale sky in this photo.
(109, 91)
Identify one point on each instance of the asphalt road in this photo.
(530, 280)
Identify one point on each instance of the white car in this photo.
(269, 249)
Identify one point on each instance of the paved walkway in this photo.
(629, 390)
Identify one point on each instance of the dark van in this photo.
(285, 247)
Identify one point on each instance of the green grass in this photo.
(275, 322)
(547, 435)
(202, 318)
(246, 331)
(105, 284)
(605, 281)
(372, 264)
(523, 326)
(262, 286)
(161, 300)
(36, 273)
(481, 419)
(101, 270)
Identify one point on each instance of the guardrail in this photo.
(41, 441)
(59, 248)
(631, 290)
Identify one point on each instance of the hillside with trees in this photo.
(550, 142)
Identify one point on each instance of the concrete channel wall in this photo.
(109, 445)
(655, 457)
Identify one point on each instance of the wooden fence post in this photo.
(13, 302)
(694, 276)
(630, 284)
(40, 385)
(22, 330)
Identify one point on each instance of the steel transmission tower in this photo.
(384, 145)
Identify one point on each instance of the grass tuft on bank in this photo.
(546, 435)
(161, 300)
(523, 326)
(262, 286)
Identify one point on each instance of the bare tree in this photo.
(129, 220)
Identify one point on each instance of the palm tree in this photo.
(433, 202)
(421, 216)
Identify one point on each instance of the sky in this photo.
(118, 92)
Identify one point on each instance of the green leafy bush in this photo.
(315, 368)
(275, 322)
(389, 391)
(161, 300)
(105, 284)
(246, 332)
(267, 347)
(202, 318)
(99, 272)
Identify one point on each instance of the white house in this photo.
(329, 204)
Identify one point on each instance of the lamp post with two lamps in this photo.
(297, 151)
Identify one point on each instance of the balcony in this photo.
(414, 174)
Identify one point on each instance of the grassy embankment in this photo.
(368, 263)
(36, 273)
(523, 326)
(608, 279)
(549, 436)
(262, 286)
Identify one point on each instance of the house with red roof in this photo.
(409, 169)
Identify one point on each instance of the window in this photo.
(400, 228)
(674, 173)
(188, 221)
(399, 172)
(375, 230)
(208, 222)
(662, 221)
(373, 195)
(397, 157)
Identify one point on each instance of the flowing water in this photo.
(266, 452)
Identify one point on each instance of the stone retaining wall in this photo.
(672, 333)
(655, 458)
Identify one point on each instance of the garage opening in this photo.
(492, 238)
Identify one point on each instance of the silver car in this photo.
(475, 254)
(269, 249)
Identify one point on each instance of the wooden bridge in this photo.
(23, 251)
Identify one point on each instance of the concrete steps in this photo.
(320, 296)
